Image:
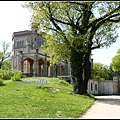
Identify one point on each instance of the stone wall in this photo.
(106, 87)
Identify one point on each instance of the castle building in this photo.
(28, 57)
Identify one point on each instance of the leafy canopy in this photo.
(74, 25)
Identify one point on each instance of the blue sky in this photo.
(14, 18)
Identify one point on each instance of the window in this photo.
(20, 43)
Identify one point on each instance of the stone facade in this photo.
(28, 57)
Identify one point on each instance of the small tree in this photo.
(116, 63)
(100, 72)
(5, 54)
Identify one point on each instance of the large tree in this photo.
(73, 29)
(5, 53)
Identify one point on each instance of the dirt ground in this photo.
(105, 107)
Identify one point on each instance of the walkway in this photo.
(105, 107)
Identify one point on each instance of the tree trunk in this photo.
(87, 71)
(77, 71)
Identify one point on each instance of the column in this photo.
(36, 65)
(69, 68)
(55, 70)
(21, 63)
(18, 61)
(45, 66)
(66, 68)
(59, 69)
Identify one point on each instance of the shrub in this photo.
(1, 75)
(17, 76)
(6, 74)
(1, 82)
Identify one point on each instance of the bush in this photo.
(17, 76)
(11, 74)
(6, 74)
(1, 82)
(1, 75)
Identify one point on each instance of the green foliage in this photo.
(17, 76)
(100, 72)
(7, 64)
(1, 82)
(5, 54)
(6, 74)
(67, 25)
(1, 74)
(116, 62)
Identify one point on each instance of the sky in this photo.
(14, 18)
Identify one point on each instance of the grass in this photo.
(52, 100)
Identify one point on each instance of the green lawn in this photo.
(31, 100)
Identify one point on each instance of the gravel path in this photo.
(105, 107)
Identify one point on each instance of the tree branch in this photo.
(98, 24)
(77, 23)
(61, 21)
(77, 3)
(57, 27)
(112, 20)
(95, 47)
(69, 17)
(103, 17)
